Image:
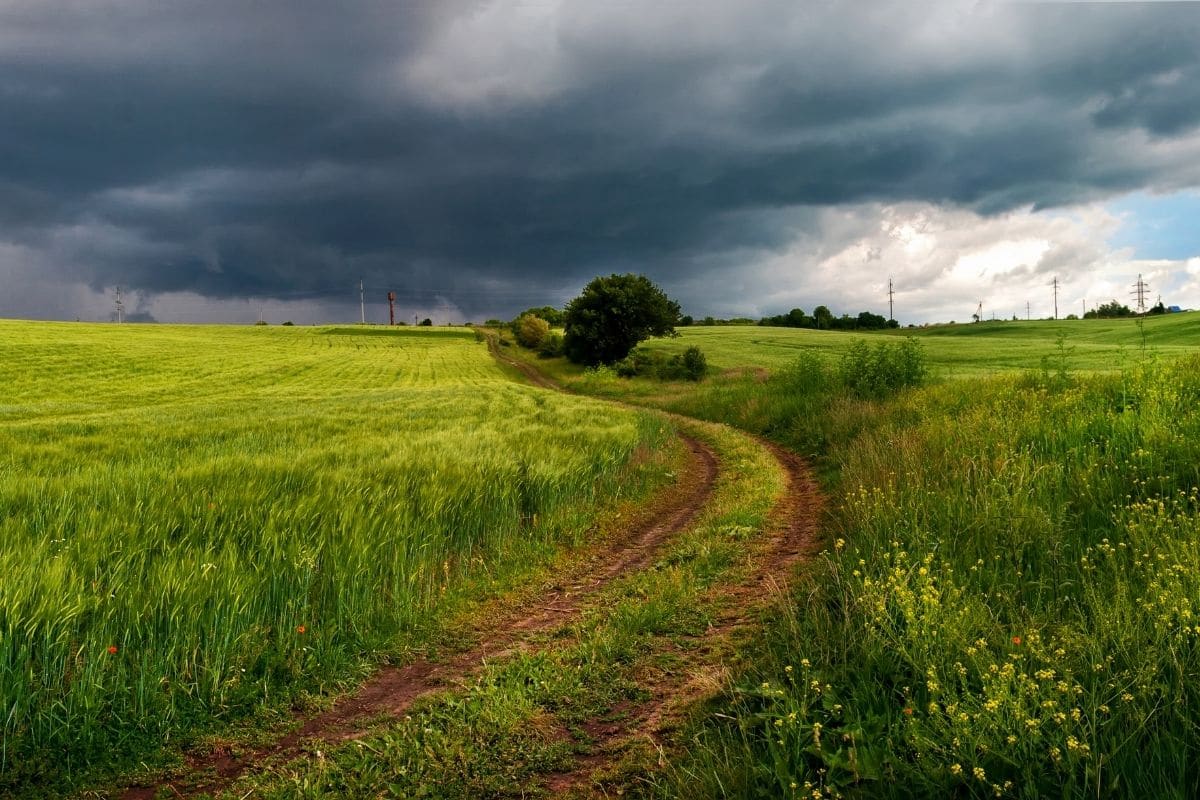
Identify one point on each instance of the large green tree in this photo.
(612, 315)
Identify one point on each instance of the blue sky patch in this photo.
(1158, 226)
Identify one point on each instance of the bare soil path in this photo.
(393, 690)
(528, 370)
(792, 536)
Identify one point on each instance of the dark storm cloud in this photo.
(492, 157)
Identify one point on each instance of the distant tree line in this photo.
(1115, 310)
(687, 320)
(823, 319)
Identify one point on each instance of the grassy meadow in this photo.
(208, 524)
(529, 716)
(1008, 602)
(962, 350)
(202, 522)
(1007, 606)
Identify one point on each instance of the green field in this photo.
(1008, 603)
(199, 522)
(958, 350)
(204, 524)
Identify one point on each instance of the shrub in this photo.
(883, 369)
(551, 346)
(808, 375)
(694, 363)
(688, 366)
(639, 362)
(549, 313)
(530, 330)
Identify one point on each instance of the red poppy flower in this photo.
(300, 629)
(1016, 640)
(908, 712)
(112, 649)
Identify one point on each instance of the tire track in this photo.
(393, 690)
(794, 536)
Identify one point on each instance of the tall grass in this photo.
(1008, 607)
(197, 522)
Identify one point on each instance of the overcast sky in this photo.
(221, 158)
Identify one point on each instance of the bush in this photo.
(808, 375)
(639, 362)
(530, 330)
(694, 363)
(688, 366)
(549, 313)
(551, 346)
(881, 370)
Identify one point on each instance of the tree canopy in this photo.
(612, 315)
(822, 317)
(530, 330)
(1110, 310)
(549, 313)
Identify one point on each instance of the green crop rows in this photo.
(198, 521)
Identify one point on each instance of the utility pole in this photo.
(891, 296)
(1027, 311)
(260, 319)
(1056, 297)
(1139, 293)
(979, 312)
(120, 306)
(391, 308)
(362, 304)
